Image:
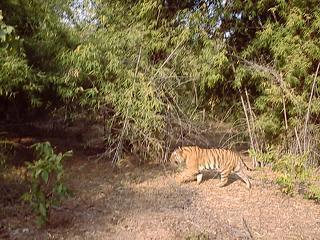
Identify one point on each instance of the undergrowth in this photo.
(5, 149)
(296, 174)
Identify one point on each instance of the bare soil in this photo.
(145, 202)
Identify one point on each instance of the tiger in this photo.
(197, 159)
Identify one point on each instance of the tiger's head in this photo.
(176, 157)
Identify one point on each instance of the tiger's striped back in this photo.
(198, 159)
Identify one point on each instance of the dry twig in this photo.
(247, 228)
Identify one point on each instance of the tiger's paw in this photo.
(199, 178)
(221, 184)
(179, 180)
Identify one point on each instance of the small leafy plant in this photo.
(46, 183)
(196, 236)
(313, 193)
(286, 183)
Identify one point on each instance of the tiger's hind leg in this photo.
(244, 177)
(224, 178)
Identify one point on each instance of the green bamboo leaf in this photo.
(45, 176)
(37, 173)
(42, 210)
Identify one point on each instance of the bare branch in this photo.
(275, 74)
(167, 59)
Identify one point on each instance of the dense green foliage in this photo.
(155, 62)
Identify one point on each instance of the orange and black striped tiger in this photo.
(197, 159)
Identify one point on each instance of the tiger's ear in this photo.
(180, 149)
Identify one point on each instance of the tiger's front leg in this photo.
(187, 176)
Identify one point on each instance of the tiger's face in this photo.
(176, 158)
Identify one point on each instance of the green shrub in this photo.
(294, 172)
(46, 185)
(267, 157)
(313, 192)
(286, 184)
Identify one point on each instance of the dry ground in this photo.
(146, 203)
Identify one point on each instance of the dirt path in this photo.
(146, 203)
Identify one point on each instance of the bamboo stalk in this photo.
(285, 113)
(138, 61)
(298, 140)
(249, 128)
(120, 145)
(125, 124)
(254, 138)
(285, 120)
(167, 59)
(203, 115)
(308, 110)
